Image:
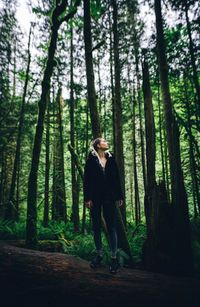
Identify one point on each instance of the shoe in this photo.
(114, 266)
(96, 262)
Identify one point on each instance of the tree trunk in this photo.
(150, 132)
(161, 137)
(59, 184)
(31, 238)
(75, 205)
(47, 167)
(158, 245)
(140, 119)
(183, 250)
(54, 279)
(192, 56)
(118, 145)
(118, 137)
(92, 100)
(53, 204)
(86, 154)
(12, 213)
(193, 167)
(31, 225)
(112, 77)
(134, 146)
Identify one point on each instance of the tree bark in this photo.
(12, 212)
(60, 198)
(75, 205)
(118, 145)
(134, 146)
(140, 119)
(47, 167)
(183, 249)
(92, 100)
(193, 166)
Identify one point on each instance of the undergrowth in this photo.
(82, 245)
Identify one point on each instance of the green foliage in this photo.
(97, 9)
(39, 12)
(77, 244)
(59, 236)
(136, 239)
(11, 230)
(122, 256)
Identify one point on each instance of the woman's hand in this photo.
(119, 203)
(89, 204)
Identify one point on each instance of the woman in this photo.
(102, 189)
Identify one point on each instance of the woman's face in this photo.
(103, 145)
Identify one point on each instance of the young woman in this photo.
(102, 190)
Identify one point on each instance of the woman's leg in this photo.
(110, 216)
(96, 225)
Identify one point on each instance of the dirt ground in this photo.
(35, 278)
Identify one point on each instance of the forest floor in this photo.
(37, 278)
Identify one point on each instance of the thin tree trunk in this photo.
(192, 56)
(134, 145)
(118, 145)
(161, 136)
(12, 213)
(92, 100)
(75, 207)
(60, 170)
(196, 196)
(2, 213)
(100, 90)
(140, 121)
(111, 76)
(14, 70)
(149, 130)
(118, 137)
(86, 154)
(47, 167)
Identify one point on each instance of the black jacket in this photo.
(100, 184)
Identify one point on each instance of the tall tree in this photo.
(59, 197)
(13, 211)
(118, 139)
(9, 111)
(183, 249)
(58, 17)
(47, 168)
(185, 5)
(75, 207)
(92, 100)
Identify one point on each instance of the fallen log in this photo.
(35, 278)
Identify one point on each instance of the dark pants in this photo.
(110, 216)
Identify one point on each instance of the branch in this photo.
(70, 14)
(60, 8)
(182, 122)
(76, 160)
(98, 45)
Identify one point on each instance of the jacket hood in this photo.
(95, 153)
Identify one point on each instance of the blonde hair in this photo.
(95, 142)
